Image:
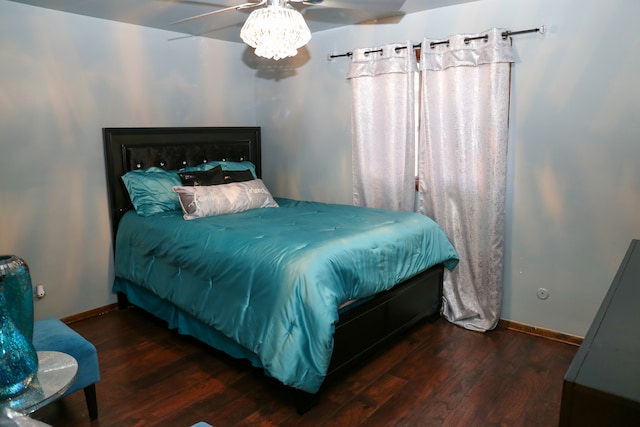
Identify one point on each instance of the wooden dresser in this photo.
(602, 384)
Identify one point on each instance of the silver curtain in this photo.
(463, 139)
(383, 124)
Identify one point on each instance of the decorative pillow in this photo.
(237, 176)
(150, 190)
(213, 176)
(226, 166)
(202, 201)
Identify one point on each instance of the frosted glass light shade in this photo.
(275, 31)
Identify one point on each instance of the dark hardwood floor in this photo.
(439, 375)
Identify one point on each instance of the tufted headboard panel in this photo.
(172, 148)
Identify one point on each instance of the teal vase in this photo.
(15, 284)
(18, 358)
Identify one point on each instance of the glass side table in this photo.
(56, 372)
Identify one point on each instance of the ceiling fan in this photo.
(386, 5)
(277, 30)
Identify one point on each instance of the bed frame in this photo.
(362, 330)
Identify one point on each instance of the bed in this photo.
(303, 290)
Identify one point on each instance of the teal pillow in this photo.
(150, 190)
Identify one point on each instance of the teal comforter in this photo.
(273, 279)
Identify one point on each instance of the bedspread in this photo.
(272, 279)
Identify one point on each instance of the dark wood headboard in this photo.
(172, 148)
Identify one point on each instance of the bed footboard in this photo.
(368, 327)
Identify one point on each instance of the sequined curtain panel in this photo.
(462, 166)
(383, 126)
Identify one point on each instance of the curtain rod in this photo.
(505, 34)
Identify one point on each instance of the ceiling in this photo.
(226, 26)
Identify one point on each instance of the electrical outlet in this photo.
(40, 291)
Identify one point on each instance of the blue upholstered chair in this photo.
(53, 335)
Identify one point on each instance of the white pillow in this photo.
(210, 200)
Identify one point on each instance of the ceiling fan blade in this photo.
(386, 5)
(226, 9)
(195, 2)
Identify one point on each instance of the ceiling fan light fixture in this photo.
(276, 31)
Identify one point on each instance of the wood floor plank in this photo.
(437, 375)
(365, 404)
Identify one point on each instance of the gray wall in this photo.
(63, 78)
(574, 178)
(574, 185)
